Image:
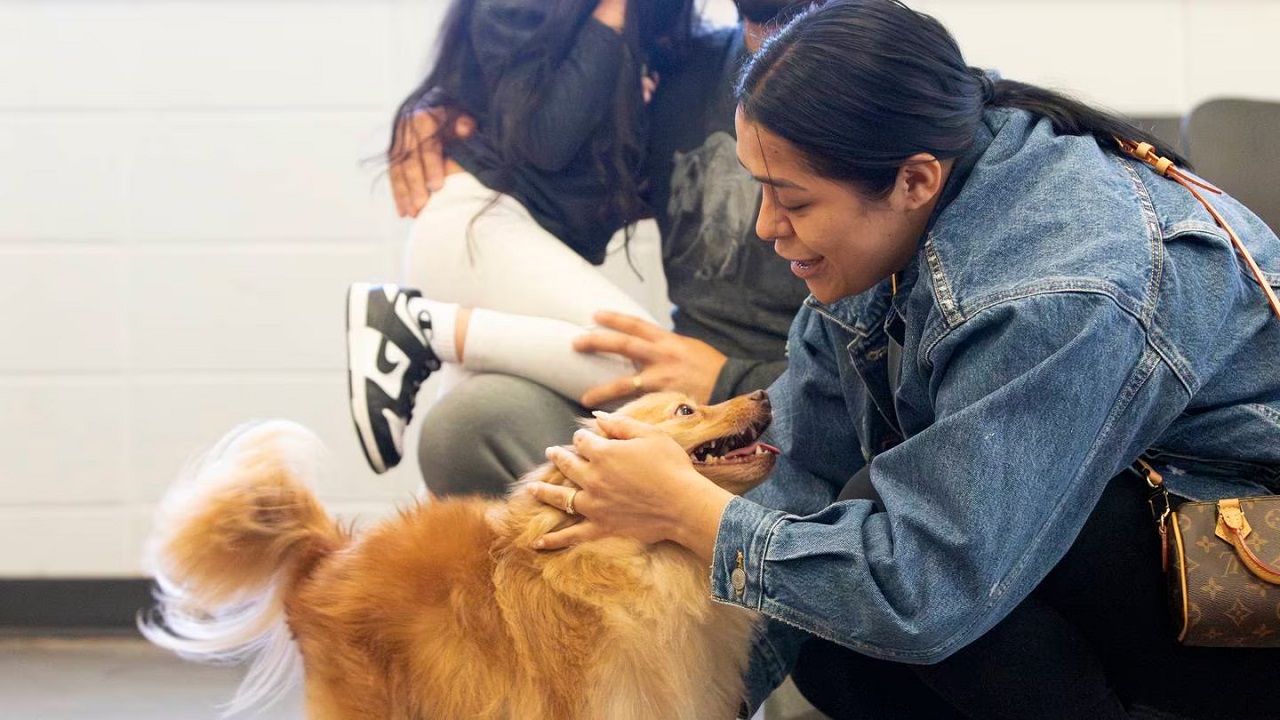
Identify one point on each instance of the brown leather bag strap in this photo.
(1234, 527)
(1146, 153)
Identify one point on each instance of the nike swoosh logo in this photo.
(385, 365)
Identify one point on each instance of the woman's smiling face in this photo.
(837, 240)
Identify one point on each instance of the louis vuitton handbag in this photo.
(1222, 562)
(1221, 558)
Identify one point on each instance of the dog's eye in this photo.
(684, 410)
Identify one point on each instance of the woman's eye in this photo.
(684, 410)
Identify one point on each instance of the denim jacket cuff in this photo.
(737, 567)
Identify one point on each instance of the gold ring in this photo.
(636, 382)
(568, 505)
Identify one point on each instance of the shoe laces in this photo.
(420, 367)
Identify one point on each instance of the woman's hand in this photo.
(612, 13)
(641, 484)
(417, 163)
(649, 85)
(667, 361)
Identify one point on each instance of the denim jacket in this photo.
(1068, 309)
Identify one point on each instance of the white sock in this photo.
(538, 349)
(444, 318)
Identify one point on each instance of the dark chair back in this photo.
(1235, 144)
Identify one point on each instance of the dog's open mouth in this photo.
(741, 447)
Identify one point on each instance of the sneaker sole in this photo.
(357, 315)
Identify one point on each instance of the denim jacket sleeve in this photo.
(572, 100)
(1013, 424)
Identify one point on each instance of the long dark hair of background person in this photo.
(656, 30)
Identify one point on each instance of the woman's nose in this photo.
(771, 223)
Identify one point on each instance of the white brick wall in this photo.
(183, 200)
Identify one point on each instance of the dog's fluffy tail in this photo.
(231, 538)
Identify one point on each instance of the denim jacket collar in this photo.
(871, 319)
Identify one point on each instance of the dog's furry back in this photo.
(442, 612)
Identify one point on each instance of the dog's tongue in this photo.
(753, 449)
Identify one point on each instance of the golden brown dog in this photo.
(446, 611)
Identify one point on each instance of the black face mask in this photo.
(764, 11)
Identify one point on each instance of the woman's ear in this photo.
(920, 180)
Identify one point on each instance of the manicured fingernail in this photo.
(539, 544)
(600, 414)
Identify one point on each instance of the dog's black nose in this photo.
(760, 396)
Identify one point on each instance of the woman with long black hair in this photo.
(1011, 303)
(506, 249)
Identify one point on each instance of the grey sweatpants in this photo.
(488, 431)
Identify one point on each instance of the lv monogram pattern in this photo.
(1216, 599)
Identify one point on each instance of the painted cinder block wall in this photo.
(184, 195)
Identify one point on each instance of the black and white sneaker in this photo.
(388, 357)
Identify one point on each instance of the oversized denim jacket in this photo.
(1067, 311)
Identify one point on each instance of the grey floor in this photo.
(113, 678)
(121, 677)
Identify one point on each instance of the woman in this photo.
(1060, 310)
(505, 252)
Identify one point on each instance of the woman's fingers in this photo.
(618, 427)
(559, 496)
(615, 389)
(586, 443)
(568, 499)
(629, 324)
(567, 462)
(430, 152)
(568, 537)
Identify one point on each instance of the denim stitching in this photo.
(942, 292)
(1154, 239)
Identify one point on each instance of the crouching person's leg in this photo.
(488, 431)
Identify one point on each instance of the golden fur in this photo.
(446, 611)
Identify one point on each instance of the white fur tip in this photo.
(253, 627)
